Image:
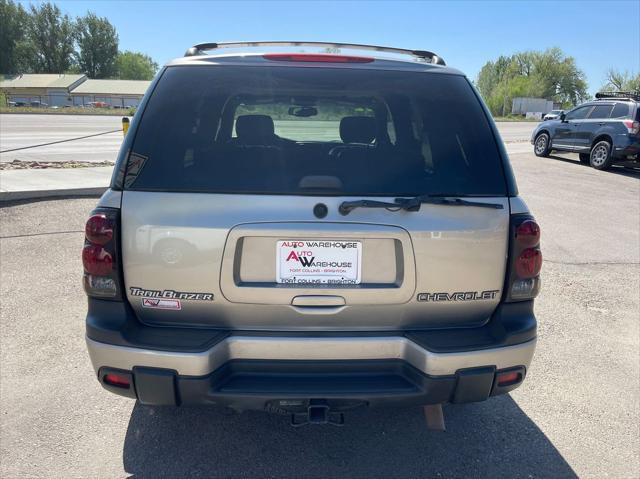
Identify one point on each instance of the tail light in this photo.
(633, 127)
(529, 263)
(525, 259)
(100, 255)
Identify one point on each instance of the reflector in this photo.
(117, 380)
(508, 378)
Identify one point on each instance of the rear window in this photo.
(309, 130)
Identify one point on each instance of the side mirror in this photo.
(562, 116)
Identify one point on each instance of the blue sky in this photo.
(599, 34)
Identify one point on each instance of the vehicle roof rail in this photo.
(200, 48)
(620, 95)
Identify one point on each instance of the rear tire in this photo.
(585, 158)
(541, 145)
(600, 157)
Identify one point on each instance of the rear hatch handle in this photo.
(413, 204)
(318, 301)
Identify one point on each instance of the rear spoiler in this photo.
(200, 48)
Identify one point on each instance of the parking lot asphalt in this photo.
(577, 413)
(25, 130)
(22, 130)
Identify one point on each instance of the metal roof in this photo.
(112, 87)
(45, 80)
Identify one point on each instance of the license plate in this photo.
(318, 262)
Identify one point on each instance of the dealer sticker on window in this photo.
(318, 262)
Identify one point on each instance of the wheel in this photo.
(600, 157)
(585, 158)
(541, 145)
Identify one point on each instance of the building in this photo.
(523, 105)
(41, 89)
(115, 93)
(72, 90)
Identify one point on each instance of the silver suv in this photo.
(308, 233)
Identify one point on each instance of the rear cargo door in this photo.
(439, 266)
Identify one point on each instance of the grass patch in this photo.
(515, 118)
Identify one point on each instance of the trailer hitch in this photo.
(318, 412)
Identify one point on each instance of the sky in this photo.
(599, 34)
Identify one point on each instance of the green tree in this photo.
(12, 24)
(135, 66)
(97, 42)
(491, 75)
(48, 43)
(621, 81)
(549, 74)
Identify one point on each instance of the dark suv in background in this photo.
(602, 131)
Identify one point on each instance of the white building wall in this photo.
(52, 97)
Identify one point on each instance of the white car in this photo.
(553, 115)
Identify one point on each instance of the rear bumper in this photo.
(627, 148)
(291, 385)
(254, 370)
(310, 348)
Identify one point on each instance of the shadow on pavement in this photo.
(490, 439)
(615, 169)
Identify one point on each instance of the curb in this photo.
(6, 196)
(115, 115)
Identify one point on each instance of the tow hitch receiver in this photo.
(318, 412)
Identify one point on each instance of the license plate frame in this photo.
(325, 262)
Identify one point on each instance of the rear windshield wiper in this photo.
(347, 207)
(413, 204)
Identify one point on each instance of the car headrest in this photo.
(254, 128)
(358, 129)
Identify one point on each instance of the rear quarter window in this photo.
(620, 110)
(286, 130)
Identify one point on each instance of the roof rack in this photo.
(200, 48)
(620, 95)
